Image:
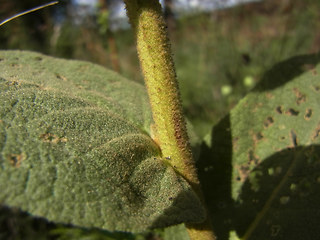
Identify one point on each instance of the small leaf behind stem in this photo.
(262, 159)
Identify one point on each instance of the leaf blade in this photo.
(77, 155)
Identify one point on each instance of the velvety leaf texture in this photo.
(261, 168)
(75, 148)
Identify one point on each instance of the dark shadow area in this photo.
(19, 225)
(287, 197)
(15, 224)
(280, 196)
(215, 169)
(185, 207)
(285, 71)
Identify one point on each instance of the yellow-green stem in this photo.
(160, 78)
(159, 73)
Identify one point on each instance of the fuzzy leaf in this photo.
(75, 149)
(260, 169)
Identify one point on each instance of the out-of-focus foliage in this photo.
(33, 31)
(228, 49)
(211, 50)
(225, 47)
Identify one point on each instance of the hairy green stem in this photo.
(160, 77)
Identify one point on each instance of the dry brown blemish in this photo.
(257, 107)
(257, 137)
(316, 88)
(308, 114)
(253, 158)
(268, 122)
(243, 172)
(52, 138)
(16, 159)
(292, 112)
(279, 109)
(300, 97)
(269, 95)
(316, 133)
(282, 138)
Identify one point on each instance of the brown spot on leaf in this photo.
(268, 122)
(317, 88)
(300, 97)
(282, 138)
(16, 159)
(269, 95)
(257, 107)
(292, 112)
(257, 137)
(308, 114)
(316, 133)
(253, 158)
(52, 138)
(243, 172)
(279, 109)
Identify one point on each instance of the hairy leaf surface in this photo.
(260, 169)
(75, 148)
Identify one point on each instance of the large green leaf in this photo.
(260, 169)
(75, 148)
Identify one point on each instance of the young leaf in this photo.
(260, 170)
(75, 149)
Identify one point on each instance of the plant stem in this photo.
(160, 77)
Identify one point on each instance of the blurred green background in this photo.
(219, 55)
